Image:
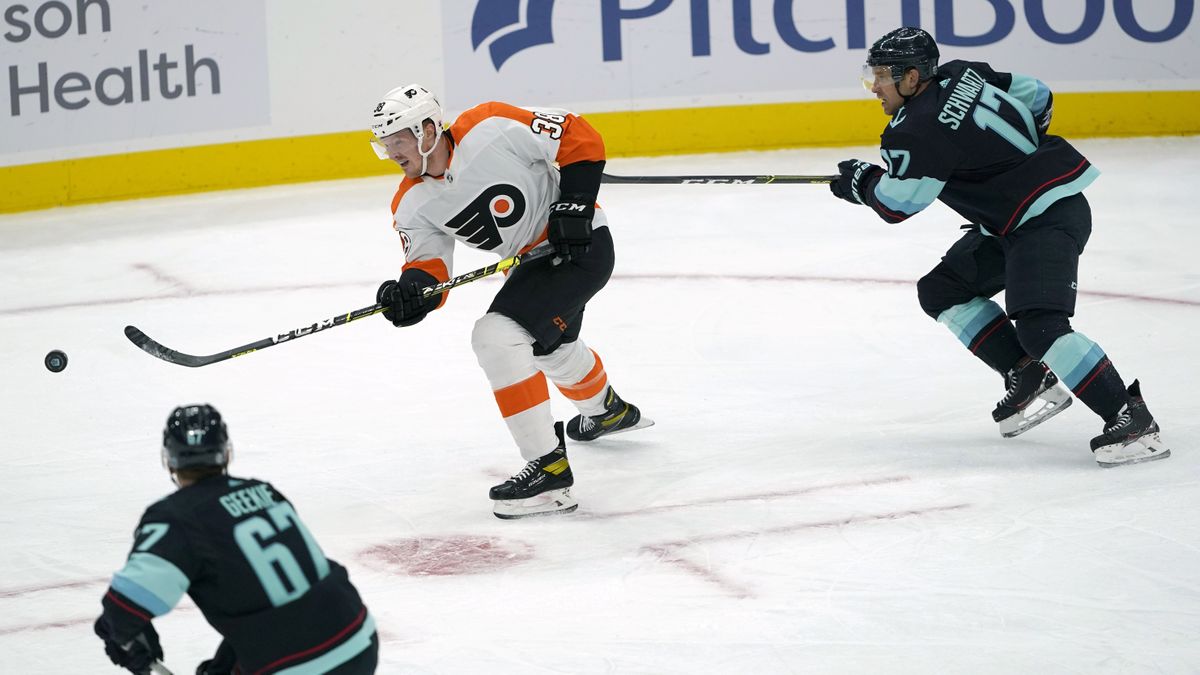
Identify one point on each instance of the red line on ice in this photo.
(668, 551)
(163, 277)
(744, 498)
(27, 590)
(669, 556)
(784, 529)
(67, 623)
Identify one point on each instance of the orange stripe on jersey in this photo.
(405, 185)
(593, 383)
(467, 121)
(579, 143)
(436, 267)
(519, 397)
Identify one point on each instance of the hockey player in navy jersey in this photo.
(237, 547)
(505, 179)
(977, 140)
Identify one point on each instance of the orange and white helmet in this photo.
(403, 108)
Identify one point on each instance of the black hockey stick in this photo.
(719, 180)
(148, 345)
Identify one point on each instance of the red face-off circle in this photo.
(445, 556)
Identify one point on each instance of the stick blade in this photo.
(150, 346)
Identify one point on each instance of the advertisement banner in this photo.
(606, 55)
(79, 72)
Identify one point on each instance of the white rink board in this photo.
(610, 55)
(121, 69)
(301, 68)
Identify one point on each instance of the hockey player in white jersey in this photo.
(506, 179)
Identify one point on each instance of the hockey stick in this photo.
(148, 345)
(719, 180)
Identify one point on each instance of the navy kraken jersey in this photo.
(971, 139)
(237, 547)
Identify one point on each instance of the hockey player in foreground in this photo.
(237, 547)
(490, 181)
(976, 139)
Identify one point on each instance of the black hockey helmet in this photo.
(902, 49)
(195, 436)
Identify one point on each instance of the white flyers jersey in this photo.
(496, 193)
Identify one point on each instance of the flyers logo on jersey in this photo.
(479, 223)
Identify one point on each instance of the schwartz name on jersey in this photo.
(975, 139)
(497, 191)
(237, 547)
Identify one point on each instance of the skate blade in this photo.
(1148, 448)
(1054, 401)
(546, 504)
(641, 424)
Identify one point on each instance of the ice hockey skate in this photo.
(1131, 436)
(618, 416)
(1033, 397)
(542, 488)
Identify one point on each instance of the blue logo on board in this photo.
(516, 33)
(509, 27)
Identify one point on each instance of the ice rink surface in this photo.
(824, 492)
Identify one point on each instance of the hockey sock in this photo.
(505, 352)
(983, 328)
(1083, 366)
(579, 374)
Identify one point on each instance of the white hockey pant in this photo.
(518, 379)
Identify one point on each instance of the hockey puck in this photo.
(56, 361)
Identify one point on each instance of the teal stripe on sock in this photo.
(1072, 357)
(967, 319)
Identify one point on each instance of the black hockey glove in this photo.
(135, 656)
(222, 663)
(854, 175)
(209, 667)
(1043, 120)
(405, 304)
(570, 228)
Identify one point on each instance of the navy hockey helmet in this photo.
(902, 49)
(195, 436)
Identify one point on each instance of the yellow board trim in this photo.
(626, 134)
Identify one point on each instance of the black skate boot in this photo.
(1131, 436)
(618, 416)
(1033, 397)
(541, 488)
